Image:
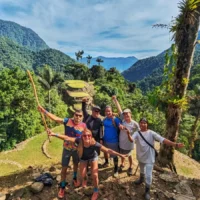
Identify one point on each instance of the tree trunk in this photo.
(185, 40)
(193, 136)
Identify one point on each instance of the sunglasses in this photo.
(97, 111)
(87, 136)
(77, 115)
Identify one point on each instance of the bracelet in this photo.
(176, 145)
(56, 134)
(45, 112)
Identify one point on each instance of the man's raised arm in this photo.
(50, 115)
(114, 98)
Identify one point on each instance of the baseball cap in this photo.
(127, 110)
(95, 107)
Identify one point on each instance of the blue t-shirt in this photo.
(110, 130)
(72, 130)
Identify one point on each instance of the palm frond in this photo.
(44, 82)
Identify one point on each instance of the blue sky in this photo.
(108, 28)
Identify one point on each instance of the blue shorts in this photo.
(90, 160)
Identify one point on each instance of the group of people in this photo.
(86, 135)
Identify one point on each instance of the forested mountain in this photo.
(22, 35)
(120, 63)
(148, 72)
(12, 54)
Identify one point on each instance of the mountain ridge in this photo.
(22, 35)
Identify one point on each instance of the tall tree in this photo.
(88, 60)
(195, 111)
(185, 34)
(48, 78)
(79, 55)
(99, 60)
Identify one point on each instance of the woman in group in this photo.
(87, 150)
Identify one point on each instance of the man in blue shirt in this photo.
(111, 136)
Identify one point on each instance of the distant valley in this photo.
(121, 63)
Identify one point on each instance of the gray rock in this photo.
(37, 187)
(2, 196)
(184, 197)
(19, 193)
(197, 182)
(184, 188)
(35, 175)
(172, 178)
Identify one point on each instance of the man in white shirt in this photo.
(125, 145)
(146, 153)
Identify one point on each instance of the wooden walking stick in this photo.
(36, 97)
(136, 170)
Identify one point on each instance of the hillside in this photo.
(22, 35)
(16, 180)
(120, 63)
(52, 57)
(12, 54)
(148, 72)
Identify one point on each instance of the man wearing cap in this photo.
(93, 122)
(125, 145)
(145, 152)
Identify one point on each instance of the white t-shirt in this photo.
(146, 154)
(124, 142)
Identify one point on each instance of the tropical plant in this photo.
(79, 55)
(88, 60)
(99, 60)
(194, 110)
(48, 78)
(185, 29)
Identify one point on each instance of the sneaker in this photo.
(130, 171)
(95, 196)
(84, 183)
(76, 183)
(120, 168)
(61, 193)
(116, 174)
(106, 164)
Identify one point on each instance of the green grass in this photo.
(32, 154)
(185, 170)
(77, 84)
(77, 106)
(78, 94)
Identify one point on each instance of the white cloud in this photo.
(79, 24)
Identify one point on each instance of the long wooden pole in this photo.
(36, 97)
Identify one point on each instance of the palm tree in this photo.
(185, 34)
(99, 60)
(48, 79)
(79, 55)
(195, 111)
(88, 60)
